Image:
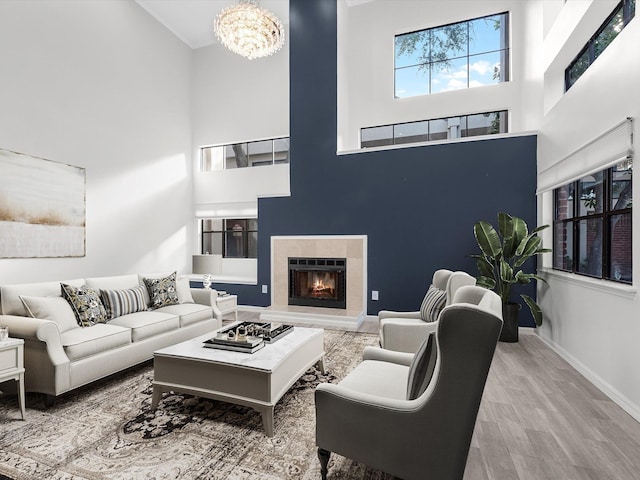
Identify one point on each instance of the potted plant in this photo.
(503, 253)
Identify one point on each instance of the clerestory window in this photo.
(450, 57)
(247, 154)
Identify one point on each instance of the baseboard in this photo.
(621, 400)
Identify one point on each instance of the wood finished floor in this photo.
(541, 419)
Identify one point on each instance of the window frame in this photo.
(574, 219)
(464, 120)
(506, 52)
(246, 150)
(225, 230)
(628, 13)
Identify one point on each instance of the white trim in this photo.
(598, 284)
(621, 400)
(478, 138)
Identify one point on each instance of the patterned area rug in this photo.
(106, 430)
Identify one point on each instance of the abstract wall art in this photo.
(42, 207)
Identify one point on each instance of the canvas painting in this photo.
(42, 207)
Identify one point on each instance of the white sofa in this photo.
(60, 356)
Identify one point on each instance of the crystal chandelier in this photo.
(248, 30)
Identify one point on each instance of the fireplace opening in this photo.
(318, 282)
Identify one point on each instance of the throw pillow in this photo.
(422, 368)
(122, 302)
(85, 303)
(56, 309)
(432, 304)
(184, 292)
(163, 291)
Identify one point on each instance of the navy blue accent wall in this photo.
(416, 205)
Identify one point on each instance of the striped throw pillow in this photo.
(432, 304)
(122, 302)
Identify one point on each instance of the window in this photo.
(450, 57)
(609, 30)
(233, 238)
(437, 129)
(248, 154)
(592, 225)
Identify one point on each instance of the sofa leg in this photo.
(323, 456)
(48, 400)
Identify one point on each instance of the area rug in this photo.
(107, 430)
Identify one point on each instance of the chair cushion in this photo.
(56, 309)
(422, 368)
(122, 302)
(432, 304)
(375, 377)
(162, 291)
(147, 324)
(85, 303)
(83, 342)
(188, 312)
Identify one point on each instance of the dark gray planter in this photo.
(510, 314)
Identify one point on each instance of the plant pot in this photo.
(510, 314)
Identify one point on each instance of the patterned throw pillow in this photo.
(163, 291)
(432, 304)
(123, 302)
(85, 303)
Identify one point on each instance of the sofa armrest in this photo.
(404, 336)
(204, 296)
(36, 329)
(389, 356)
(382, 314)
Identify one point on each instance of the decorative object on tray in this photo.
(248, 337)
(206, 280)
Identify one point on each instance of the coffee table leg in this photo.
(21, 395)
(157, 395)
(267, 420)
(321, 365)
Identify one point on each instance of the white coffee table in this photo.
(256, 380)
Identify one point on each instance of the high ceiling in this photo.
(192, 20)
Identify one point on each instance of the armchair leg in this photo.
(323, 456)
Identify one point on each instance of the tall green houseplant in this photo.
(503, 253)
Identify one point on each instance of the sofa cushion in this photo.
(374, 377)
(83, 342)
(432, 304)
(56, 309)
(147, 324)
(189, 313)
(10, 303)
(85, 303)
(114, 282)
(162, 291)
(122, 302)
(422, 368)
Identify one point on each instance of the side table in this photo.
(12, 366)
(223, 304)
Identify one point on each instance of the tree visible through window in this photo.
(450, 57)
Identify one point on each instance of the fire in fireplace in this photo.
(318, 282)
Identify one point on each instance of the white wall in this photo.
(593, 323)
(366, 59)
(102, 85)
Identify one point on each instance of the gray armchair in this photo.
(405, 331)
(413, 416)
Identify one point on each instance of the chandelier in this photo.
(248, 30)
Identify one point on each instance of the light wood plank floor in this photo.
(541, 419)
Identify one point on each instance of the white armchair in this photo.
(405, 331)
(413, 416)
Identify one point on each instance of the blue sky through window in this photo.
(451, 57)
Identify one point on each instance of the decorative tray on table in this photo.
(248, 337)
